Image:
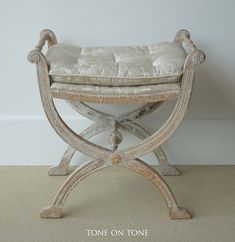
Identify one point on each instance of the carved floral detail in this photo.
(115, 158)
(198, 57)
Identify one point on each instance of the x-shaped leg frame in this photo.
(137, 165)
(104, 121)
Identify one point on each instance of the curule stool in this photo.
(147, 75)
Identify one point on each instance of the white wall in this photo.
(122, 22)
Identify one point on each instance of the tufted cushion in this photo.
(116, 66)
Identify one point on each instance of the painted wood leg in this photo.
(139, 166)
(62, 168)
(55, 210)
(165, 167)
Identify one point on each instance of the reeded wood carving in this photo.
(103, 157)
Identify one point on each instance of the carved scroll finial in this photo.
(45, 35)
(180, 34)
(34, 56)
(52, 38)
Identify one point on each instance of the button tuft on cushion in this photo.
(117, 65)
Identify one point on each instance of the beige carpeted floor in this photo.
(117, 199)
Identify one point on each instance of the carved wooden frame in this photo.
(103, 157)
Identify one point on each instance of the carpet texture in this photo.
(115, 199)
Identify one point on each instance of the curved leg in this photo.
(170, 125)
(55, 210)
(175, 212)
(165, 167)
(61, 169)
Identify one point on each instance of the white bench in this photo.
(150, 75)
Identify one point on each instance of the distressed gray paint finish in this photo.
(103, 157)
(124, 121)
(89, 132)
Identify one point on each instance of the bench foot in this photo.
(55, 210)
(57, 171)
(139, 166)
(176, 212)
(61, 169)
(168, 170)
(51, 212)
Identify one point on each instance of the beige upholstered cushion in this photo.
(118, 65)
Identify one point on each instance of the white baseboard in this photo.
(32, 141)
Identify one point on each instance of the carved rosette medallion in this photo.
(33, 56)
(115, 158)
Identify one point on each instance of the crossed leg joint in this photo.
(131, 127)
(137, 165)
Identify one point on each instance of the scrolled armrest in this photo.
(195, 55)
(45, 35)
(183, 37)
